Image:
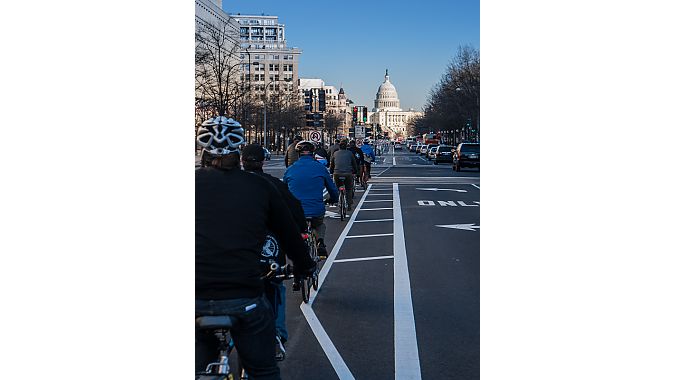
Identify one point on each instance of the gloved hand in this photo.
(298, 273)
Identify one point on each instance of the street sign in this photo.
(315, 136)
(359, 132)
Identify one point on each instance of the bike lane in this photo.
(441, 225)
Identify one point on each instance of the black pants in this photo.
(253, 334)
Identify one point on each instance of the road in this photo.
(399, 293)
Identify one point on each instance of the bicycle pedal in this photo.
(322, 258)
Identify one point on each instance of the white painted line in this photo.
(373, 220)
(363, 236)
(378, 195)
(394, 161)
(373, 209)
(364, 259)
(384, 200)
(476, 186)
(406, 359)
(336, 247)
(325, 342)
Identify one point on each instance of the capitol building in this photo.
(387, 111)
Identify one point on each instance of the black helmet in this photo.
(305, 146)
(220, 135)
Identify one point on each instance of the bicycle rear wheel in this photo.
(342, 202)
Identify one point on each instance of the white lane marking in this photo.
(406, 359)
(437, 189)
(373, 220)
(476, 186)
(363, 259)
(325, 342)
(363, 236)
(394, 161)
(386, 169)
(466, 227)
(379, 195)
(336, 247)
(373, 209)
(461, 203)
(384, 200)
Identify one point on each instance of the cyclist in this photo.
(333, 148)
(369, 156)
(359, 156)
(291, 154)
(253, 158)
(227, 250)
(307, 179)
(321, 155)
(343, 164)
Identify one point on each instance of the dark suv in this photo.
(444, 154)
(467, 155)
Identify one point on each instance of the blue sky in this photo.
(353, 42)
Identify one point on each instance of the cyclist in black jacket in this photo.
(253, 158)
(234, 210)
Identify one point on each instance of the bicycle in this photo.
(220, 325)
(342, 197)
(364, 176)
(312, 281)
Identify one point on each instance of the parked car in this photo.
(418, 148)
(431, 151)
(467, 155)
(267, 153)
(423, 150)
(397, 145)
(444, 153)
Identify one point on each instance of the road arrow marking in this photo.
(436, 189)
(466, 227)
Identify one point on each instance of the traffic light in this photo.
(354, 115)
(364, 116)
(322, 100)
(308, 100)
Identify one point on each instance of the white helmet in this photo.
(220, 135)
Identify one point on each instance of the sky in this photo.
(351, 43)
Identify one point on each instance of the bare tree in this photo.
(218, 88)
(453, 104)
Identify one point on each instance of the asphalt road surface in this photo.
(399, 293)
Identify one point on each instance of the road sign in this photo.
(359, 132)
(315, 136)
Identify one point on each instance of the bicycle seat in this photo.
(214, 322)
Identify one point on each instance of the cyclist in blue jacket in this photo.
(369, 155)
(307, 179)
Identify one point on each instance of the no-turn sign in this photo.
(315, 136)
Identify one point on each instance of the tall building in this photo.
(336, 101)
(387, 112)
(267, 62)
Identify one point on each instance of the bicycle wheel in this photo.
(341, 201)
(304, 291)
(315, 280)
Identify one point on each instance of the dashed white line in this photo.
(374, 209)
(383, 200)
(363, 236)
(476, 186)
(363, 259)
(373, 220)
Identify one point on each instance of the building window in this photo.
(273, 67)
